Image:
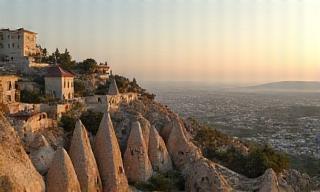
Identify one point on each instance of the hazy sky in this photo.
(181, 40)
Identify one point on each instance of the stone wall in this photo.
(99, 102)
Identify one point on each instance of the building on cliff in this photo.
(59, 83)
(8, 91)
(17, 44)
(18, 51)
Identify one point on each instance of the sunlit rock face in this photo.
(61, 175)
(203, 176)
(43, 155)
(269, 182)
(17, 172)
(137, 164)
(158, 154)
(182, 151)
(113, 88)
(83, 160)
(108, 156)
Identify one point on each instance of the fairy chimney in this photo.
(113, 88)
(61, 175)
(43, 155)
(136, 160)
(108, 156)
(83, 160)
(158, 154)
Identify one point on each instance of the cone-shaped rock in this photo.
(83, 160)
(158, 154)
(16, 170)
(113, 88)
(42, 157)
(136, 161)
(181, 150)
(108, 156)
(269, 182)
(61, 175)
(203, 176)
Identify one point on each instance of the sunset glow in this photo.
(181, 40)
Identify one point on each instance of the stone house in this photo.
(8, 91)
(16, 45)
(59, 83)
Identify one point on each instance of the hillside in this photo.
(310, 86)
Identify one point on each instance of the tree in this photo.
(88, 65)
(91, 120)
(79, 88)
(29, 97)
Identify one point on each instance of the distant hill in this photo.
(286, 86)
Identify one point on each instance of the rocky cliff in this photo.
(133, 144)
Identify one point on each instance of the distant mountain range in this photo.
(286, 86)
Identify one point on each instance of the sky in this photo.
(181, 40)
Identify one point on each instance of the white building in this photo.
(17, 45)
(59, 83)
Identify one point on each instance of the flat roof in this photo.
(18, 30)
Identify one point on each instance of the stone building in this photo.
(15, 45)
(59, 83)
(8, 92)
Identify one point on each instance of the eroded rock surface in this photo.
(42, 154)
(108, 156)
(61, 175)
(158, 154)
(136, 161)
(83, 160)
(17, 172)
(202, 176)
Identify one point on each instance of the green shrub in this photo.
(170, 181)
(91, 120)
(30, 97)
(252, 165)
(67, 122)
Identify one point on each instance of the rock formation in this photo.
(41, 154)
(136, 162)
(203, 176)
(83, 160)
(61, 174)
(269, 182)
(145, 128)
(108, 156)
(16, 170)
(181, 150)
(113, 88)
(158, 154)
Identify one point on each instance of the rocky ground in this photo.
(132, 144)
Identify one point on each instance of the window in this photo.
(1, 36)
(9, 46)
(12, 45)
(8, 36)
(1, 46)
(64, 84)
(68, 84)
(9, 99)
(9, 85)
(18, 36)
